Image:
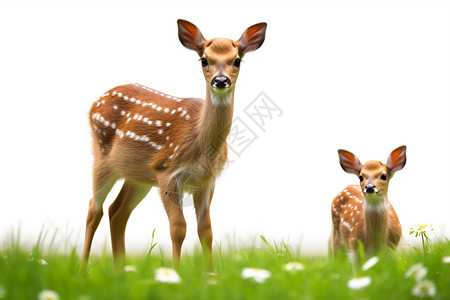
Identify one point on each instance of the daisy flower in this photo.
(258, 275)
(425, 288)
(2, 292)
(211, 278)
(167, 275)
(294, 267)
(421, 229)
(418, 271)
(42, 262)
(129, 268)
(359, 282)
(446, 260)
(370, 263)
(48, 295)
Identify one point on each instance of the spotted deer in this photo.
(364, 212)
(150, 139)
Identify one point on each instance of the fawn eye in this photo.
(237, 62)
(204, 62)
(361, 178)
(383, 177)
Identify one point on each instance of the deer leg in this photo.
(336, 241)
(202, 202)
(129, 197)
(102, 184)
(171, 198)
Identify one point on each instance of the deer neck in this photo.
(215, 120)
(376, 223)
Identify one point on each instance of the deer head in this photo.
(221, 58)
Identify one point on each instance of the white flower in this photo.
(294, 267)
(42, 262)
(211, 278)
(425, 288)
(258, 275)
(359, 282)
(2, 292)
(48, 295)
(129, 268)
(167, 275)
(370, 263)
(446, 260)
(418, 271)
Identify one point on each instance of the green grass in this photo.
(23, 276)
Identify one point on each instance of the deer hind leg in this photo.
(336, 241)
(129, 197)
(202, 202)
(103, 182)
(171, 197)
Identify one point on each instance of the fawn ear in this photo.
(349, 162)
(190, 36)
(252, 38)
(397, 159)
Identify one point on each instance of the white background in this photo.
(366, 76)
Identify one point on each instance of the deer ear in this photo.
(190, 36)
(397, 159)
(252, 38)
(349, 162)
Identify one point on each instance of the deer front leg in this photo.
(171, 198)
(202, 203)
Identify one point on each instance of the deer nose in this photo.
(370, 188)
(221, 82)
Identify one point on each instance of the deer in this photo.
(152, 139)
(362, 213)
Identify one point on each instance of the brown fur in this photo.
(373, 229)
(153, 139)
(369, 218)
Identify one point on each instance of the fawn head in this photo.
(374, 176)
(220, 57)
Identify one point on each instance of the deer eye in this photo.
(204, 62)
(383, 177)
(237, 62)
(361, 178)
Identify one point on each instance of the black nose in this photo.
(370, 188)
(221, 82)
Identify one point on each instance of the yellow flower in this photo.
(421, 229)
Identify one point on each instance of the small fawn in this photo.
(177, 144)
(364, 212)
